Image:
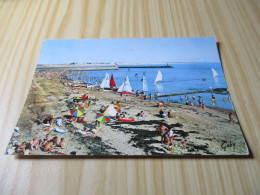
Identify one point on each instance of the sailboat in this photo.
(158, 77)
(125, 88)
(105, 85)
(145, 86)
(215, 74)
(112, 83)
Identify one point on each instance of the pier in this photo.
(217, 91)
(77, 67)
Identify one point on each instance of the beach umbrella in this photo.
(78, 107)
(74, 105)
(118, 109)
(103, 117)
(77, 111)
(120, 105)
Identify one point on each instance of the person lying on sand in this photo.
(47, 121)
(82, 119)
(141, 115)
(87, 132)
(162, 114)
(34, 144)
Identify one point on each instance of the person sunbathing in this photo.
(34, 144)
(82, 119)
(162, 114)
(141, 115)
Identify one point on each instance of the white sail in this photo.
(105, 82)
(158, 77)
(125, 87)
(120, 89)
(215, 74)
(145, 86)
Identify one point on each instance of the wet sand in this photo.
(207, 131)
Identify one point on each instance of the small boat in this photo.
(125, 88)
(126, 120)
(158, 77)
(214, 72)
(105, 85)
(112, 83)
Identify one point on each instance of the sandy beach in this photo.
(206, 131)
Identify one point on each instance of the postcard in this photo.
(142, 97)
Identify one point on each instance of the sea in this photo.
(179, 78)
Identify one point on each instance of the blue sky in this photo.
(140, 50)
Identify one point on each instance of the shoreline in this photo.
(204, 129)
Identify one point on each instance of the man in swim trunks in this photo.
(163, 129)
(49, 146)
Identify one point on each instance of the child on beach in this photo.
(34, 144)
(62, 143)
(183, 143)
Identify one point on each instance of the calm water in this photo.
(181, 78)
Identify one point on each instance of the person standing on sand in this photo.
(163, 130)
(126, 99)
(231, 117)
(199, 101)
(171, 136)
